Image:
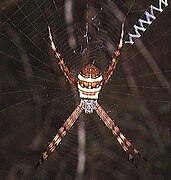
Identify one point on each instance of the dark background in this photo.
(35, 98)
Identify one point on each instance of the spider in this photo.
(88, 84)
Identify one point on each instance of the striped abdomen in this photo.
(89, 82)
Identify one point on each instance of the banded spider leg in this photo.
(108, 73)
(61, 133)
(123, 141)
(63, 67)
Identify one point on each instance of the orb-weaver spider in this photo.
(88, 84)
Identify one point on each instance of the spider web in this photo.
(36, 98)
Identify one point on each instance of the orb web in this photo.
(36, 98)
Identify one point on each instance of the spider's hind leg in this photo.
(69, 76)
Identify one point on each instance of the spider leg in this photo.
(123, 141)
(108, 73)
(128, 143)
(62, 64)
(61, 133)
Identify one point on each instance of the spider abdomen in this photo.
(89, 82)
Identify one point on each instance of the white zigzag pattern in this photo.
(149, 18)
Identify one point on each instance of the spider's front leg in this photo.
(62, 64)
(108, 73)
(61, 133)
(123, 141)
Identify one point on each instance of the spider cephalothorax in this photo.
(89, 82)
